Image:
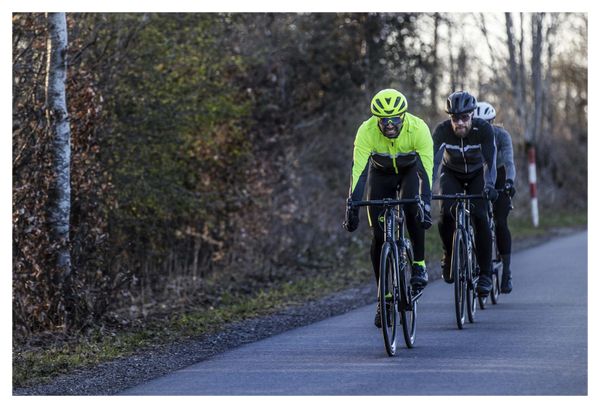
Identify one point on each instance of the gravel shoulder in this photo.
(112, 377)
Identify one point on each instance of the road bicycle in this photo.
(464, 269)
(397, 300)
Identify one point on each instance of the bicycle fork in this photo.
(471, 275)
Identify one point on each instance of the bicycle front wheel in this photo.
(407, 308)
(472, 298)
(388, 297)
(459, 267)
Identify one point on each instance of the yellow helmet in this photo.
(387, 103)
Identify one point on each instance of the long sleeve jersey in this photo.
(504, 156)
(413, 146)
(468, 154)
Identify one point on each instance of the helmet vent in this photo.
(403, 106)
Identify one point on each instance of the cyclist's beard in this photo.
(391, 132)
(461, 130)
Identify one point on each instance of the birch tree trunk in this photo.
(58, 126)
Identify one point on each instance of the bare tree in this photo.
(433, 86)
(537, 21)
(484, 31)
(550, 33)
(58, 127)
(528, 125)
(452, 60)
(462, 68)
(516, 79)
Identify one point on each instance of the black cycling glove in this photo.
(509, 188)
(426, 223)
(351, 220)
(490, 193)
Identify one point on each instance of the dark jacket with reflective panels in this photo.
(466, 155)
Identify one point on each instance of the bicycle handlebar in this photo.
(386, 202)
(458, 196)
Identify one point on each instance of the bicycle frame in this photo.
(466, 281)
(393, 224)
(462, 217)
(393, 228)
(463, 223)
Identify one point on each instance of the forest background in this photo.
(211, 152)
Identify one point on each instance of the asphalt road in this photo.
(533, 342)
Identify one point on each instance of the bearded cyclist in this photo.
(505, 181)
(465, 148)
(393, 151)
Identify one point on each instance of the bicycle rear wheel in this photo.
(459, 266)
(496, 266)
(388, 295)
(407, 308)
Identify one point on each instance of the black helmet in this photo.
(460, 102)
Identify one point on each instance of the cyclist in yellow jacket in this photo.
(393, 151)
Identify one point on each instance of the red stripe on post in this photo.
(531, 154)
(533, 190)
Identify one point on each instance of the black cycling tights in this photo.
(383, 185)
(452, 183)
(501, 210)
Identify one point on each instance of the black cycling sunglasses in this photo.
(464, 117)
(395, 120)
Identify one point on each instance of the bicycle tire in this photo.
(472, 297)
(458, 267)
(407, 317)
(388, 280)
(496, 267)
(482, 301)
(495, 293)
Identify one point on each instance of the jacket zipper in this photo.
(462, 145)
(393, 158)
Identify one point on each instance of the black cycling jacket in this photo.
(466, 155)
